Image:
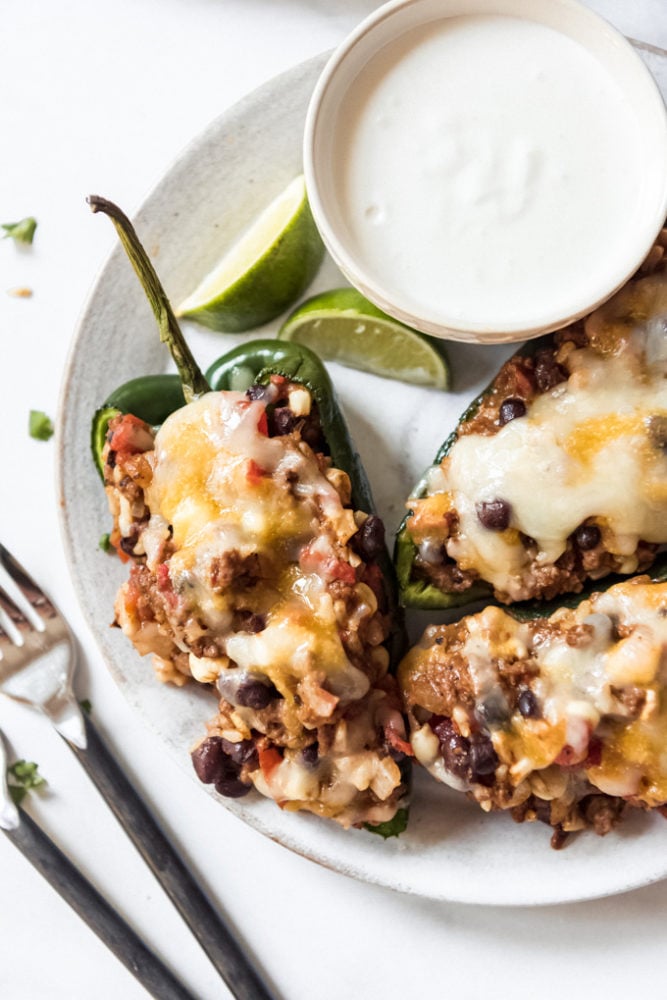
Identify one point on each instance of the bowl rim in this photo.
(570, 11)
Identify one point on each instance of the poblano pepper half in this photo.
(554, 482)
(153, 398)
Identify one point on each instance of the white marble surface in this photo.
(101, 97)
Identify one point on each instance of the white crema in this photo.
(491, 165)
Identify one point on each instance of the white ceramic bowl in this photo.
(325, 158)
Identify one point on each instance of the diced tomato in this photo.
(569, 757)
(163, 578)
(269, 760)
(114, 539)
(397, 742)
(278, 379)
(524, 383)
(594, 758)
(263, 424)
(130, 435)
(341, 570)
(131, 593)
(255, 472)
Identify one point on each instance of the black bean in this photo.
(542, 810)
(310, 754)
(256, 694)
(494, 514)
(255, 623)
(587, 536)
(232, 788)
(127, 545)
(241, 753)
(483, 759)
(208, 759)
(311, 433)
(369, 540)
(528, 704)
(511, 409)
(493, 710)
(111, 459)
(282, 421)
(548, 373)
(454, 748)
(256, 392)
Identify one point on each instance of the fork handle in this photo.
(215, 937)
(100, 916)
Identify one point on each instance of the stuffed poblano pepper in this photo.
(560, 719)
(259, 568)
(557, 474)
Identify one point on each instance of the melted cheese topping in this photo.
(583, 450)
(224, 485)
(578, 685)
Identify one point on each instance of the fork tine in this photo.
(13, 623)
(33, 594)
(13, 611)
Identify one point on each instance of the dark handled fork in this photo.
(84, 898)
(37, 661)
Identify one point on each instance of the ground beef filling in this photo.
(309, 745)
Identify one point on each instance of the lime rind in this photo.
(266, 270)
(341, 325)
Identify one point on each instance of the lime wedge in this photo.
(342, 325)
(266, 271)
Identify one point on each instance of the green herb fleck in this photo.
(23, 776)
(21, 232)
(86, 706)
(40, 426)
(105, 542)
(393, 827)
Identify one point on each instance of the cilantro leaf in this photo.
(22, 776)
(86, 705)
(40, 426)
(21, 232)
(105, 542)
(393, 827)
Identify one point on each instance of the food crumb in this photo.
(20, 293)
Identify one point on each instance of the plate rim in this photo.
(298, 843)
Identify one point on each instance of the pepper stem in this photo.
(194, 383)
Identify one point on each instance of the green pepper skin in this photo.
(151, 398)
(98, 434)
(418, 593)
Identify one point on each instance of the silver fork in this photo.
(37, 662)
(37, 658)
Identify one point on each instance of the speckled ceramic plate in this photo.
(452, 850)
